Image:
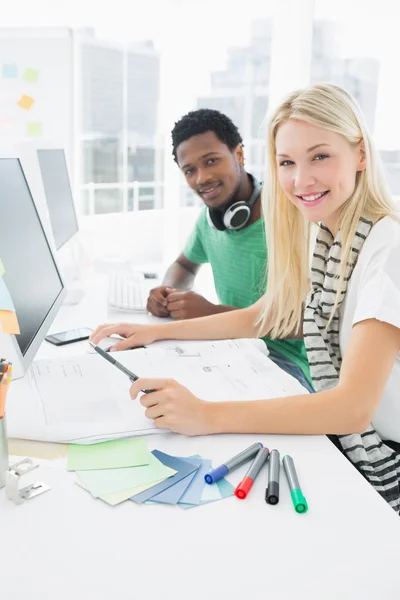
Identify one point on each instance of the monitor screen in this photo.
(57, 189)
(31, 274)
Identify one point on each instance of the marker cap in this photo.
(243, 488)
(216, 474)
(272, 493)
(299, 501)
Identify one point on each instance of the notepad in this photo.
(131, 452)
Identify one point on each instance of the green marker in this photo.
(299, 502)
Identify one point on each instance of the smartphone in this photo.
(67, 337)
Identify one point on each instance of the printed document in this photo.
(86, 399)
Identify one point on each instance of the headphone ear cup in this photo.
(215, 219)
(237, 216)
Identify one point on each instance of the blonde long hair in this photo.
(288, 232)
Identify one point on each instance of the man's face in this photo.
(211, 169)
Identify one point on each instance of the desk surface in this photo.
(65, 544)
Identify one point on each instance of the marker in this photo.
(232, 464)
(246, 484)
(274, 467)
(299, 501)
(117, 364)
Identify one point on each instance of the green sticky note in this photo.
(31, 75)
(34, 129)
(104, 482)
(114, 454)
(1, 268)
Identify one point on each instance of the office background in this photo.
(108, 84)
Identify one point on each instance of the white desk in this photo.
(65, 545)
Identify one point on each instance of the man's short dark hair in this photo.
(203, 120)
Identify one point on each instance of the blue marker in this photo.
(232, 464)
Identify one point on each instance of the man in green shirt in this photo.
(229, 233)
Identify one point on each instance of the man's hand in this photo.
(188, 305)
(157, 301)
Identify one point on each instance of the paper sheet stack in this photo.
(120, 470)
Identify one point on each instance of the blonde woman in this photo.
(322, 168)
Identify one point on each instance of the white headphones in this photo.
(237, 214)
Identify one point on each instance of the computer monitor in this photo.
(31, 273)
(57, 188)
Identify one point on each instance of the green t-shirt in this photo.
(238, 261)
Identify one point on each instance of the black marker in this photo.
(272, 491)
(117, 364)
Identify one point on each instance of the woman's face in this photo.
(317, 169)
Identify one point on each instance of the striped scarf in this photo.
(379, 464)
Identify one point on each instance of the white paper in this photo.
(87, 399)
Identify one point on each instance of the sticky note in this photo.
(34, 129)
(26, 102)
(6, 302)
(173, 493)
(194, 492)
(182, 469)
(224, 488)
(131, 452)
(103, 482)
(31, 75)
(9, 322)
(1, 268)
(118, 497)
(9, 71)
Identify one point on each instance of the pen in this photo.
(117, 364)
(299, 501)
(3, 367)
(232, 464)
(272, 491)
(4, 383)
(246, 484)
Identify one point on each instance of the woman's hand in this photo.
(135, 335)
(173, 406)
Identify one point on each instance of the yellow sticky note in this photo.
(118, 497)
(25, 102)
(9, 322)
(2, 271)
(34, 129)
(31, 75)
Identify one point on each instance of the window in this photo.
(353, 47)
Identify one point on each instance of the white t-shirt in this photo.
(374, 293)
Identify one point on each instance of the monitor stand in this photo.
(70, 260)
(74, 296)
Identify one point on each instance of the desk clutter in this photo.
(120, 470)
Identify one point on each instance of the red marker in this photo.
(246, 484)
